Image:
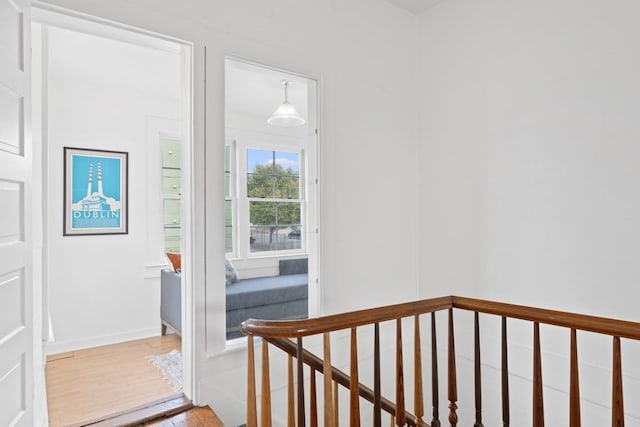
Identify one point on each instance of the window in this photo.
(273, 191)
(171, 193)
(270, 203)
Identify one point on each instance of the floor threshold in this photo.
(159, 409)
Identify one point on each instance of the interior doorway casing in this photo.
(60, 18)
(311, 153)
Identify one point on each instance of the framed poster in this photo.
(95, 192)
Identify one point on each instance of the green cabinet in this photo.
(171, 192)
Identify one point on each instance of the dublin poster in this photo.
(95, 192)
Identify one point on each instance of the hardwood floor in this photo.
(174, 412)
(196, 417)
(88, 385)
(147, 413)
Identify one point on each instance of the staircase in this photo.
(367, 400)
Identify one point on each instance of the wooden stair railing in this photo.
(288, 337)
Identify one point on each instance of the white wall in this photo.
(528, 141)
(106, 289)
(362, 53)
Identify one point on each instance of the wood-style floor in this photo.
(88, 385)
(174, 412)
(196, 417)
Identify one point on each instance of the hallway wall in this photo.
(528, 142)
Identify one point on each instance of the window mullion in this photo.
(260, 199)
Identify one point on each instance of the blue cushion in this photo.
(230, 272)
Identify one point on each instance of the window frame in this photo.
(232, 197)
(241, 201)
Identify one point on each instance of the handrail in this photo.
(583, 322)
(335, 322)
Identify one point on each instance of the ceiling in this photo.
(249, 89)
(255, 90)
(149, 70)
(414, 6)
(155, 71)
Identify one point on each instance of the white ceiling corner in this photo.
(414, 6)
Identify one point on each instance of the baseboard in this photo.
(57, 347)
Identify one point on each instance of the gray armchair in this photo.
(170, 301)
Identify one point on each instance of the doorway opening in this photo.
(271, 194)
(101, 87)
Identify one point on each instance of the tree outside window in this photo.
(273, 190)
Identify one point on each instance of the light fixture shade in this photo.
(286, 115)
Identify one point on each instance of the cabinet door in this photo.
(171, 181)
(171, 157)
(172, 239)
(172, 213)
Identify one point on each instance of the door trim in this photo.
(50, 15)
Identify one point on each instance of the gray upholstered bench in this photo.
(278, 297)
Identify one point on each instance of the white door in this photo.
(16, 298)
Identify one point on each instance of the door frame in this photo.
(313, 183)
(49, 15)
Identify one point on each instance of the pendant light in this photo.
(286, 114)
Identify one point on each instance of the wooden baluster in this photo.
(300, 357)
(538, 404)
(265, 401)
(377, 393)
(392, 421)
(328, 383)
(400, 415)
(336, 412)
(505, 375)
(435, 422)
(453, 387)
(418, 397)
(252, 416)
(478, 377)
(291, 412)
(574, 385)
(313, 400)
(354, 397)
(617, 405)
